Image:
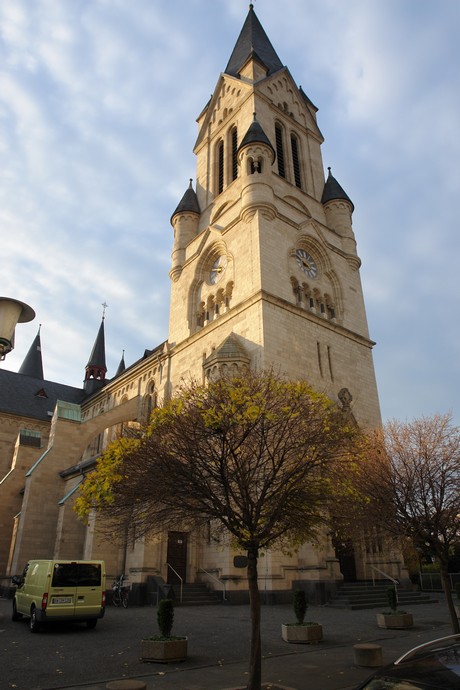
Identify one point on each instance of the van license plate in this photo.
(61, 600)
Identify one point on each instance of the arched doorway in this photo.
(345, 552)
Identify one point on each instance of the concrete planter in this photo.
(164, 651)
(395, 621)
(309, 633)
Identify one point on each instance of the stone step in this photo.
(363, 595)
(195, 594)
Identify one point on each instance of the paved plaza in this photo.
(78, 659)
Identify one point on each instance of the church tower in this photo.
(265, 268)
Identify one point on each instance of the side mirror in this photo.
(17, 580)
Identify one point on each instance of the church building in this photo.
(264, 273)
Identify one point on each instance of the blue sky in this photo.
(98, 108)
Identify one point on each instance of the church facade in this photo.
(264, 273)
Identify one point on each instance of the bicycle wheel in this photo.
(116, 597)
(124, 600)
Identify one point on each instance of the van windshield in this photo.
(76, 575)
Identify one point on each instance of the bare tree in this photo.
(257, 455)
(410, 482)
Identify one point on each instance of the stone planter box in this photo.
(302, 634)
(395, 621)
(164, 651)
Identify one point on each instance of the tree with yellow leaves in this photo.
(257, 456)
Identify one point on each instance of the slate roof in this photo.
(32, 364)
(97, 357)
(189, 202)
(332, 191)
(33, 397)
(255, 135)
(121, 366)
(253, 41)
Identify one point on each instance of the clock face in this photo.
(217, 270)
(306, 263)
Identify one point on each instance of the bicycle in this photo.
(120, 593)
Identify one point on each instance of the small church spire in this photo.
(121, 366)
(256, 135)
(96, 368)
(333, 191)
(188, 203)
(32, 364)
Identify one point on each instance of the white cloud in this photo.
(98, 102)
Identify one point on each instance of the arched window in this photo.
(295, 160)
(280, 150)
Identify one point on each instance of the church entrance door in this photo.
(177, 557)
(345, 552)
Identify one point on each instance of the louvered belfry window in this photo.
(280, 150)
(220, 180)
(234, 153)
(295, 161)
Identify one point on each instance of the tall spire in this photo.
(32, 364)
(253, 41)
(96, 368)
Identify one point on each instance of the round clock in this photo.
(306, 263)
(217, 269)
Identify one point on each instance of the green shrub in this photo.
(165, 617)
(300, 605)
(392, 598)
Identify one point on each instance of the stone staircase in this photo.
(364, 595)
(196, 594)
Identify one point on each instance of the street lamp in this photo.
(12, 312)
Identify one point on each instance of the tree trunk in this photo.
(255, 662)
(450, 602)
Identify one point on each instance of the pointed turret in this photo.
(333, 191)
(188, 203)
(339, 209)
(32, 364)
(254, 43)
(121, 366)
(256, 135)
(256, 156)
(96, 368)
(185, 221)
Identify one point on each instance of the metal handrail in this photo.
(224, 594)
(181, 580)
(388, 577)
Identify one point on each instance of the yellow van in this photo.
(60, 590)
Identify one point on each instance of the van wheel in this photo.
(91, 623)
(33, 623)
(15, 616)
